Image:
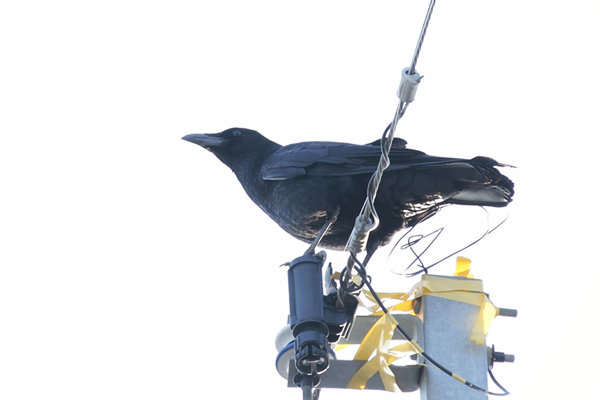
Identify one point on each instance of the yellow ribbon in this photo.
(463, 267)
(378, 338)
(404, 303)
(468, 291)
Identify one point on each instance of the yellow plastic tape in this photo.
(468, 291)
(404, 303)
(378, 340)
(463, 267)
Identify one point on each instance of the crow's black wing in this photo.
(340, 159)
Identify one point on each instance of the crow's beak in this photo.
(206, 141)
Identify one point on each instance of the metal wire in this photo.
(368, 218)
(413, 64)
(362, 273)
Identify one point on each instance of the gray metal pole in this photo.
(447, 326)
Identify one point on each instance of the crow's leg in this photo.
(322, 232)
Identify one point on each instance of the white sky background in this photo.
(133, 265)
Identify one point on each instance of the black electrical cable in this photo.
(345, 279)
(425, 269)
(367, 280)
(496, 382)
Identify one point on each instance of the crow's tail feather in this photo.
(477, 182)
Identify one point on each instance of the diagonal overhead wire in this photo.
(368, 218)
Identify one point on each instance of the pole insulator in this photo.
(307, 319)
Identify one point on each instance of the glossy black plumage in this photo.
(300, 185)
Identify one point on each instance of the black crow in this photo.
(302, 185)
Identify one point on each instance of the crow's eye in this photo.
(237, 133)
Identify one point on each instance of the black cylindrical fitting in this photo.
(306, 294)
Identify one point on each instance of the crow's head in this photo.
(234, 145)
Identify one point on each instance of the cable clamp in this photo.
(408, 85)
(360, 234)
